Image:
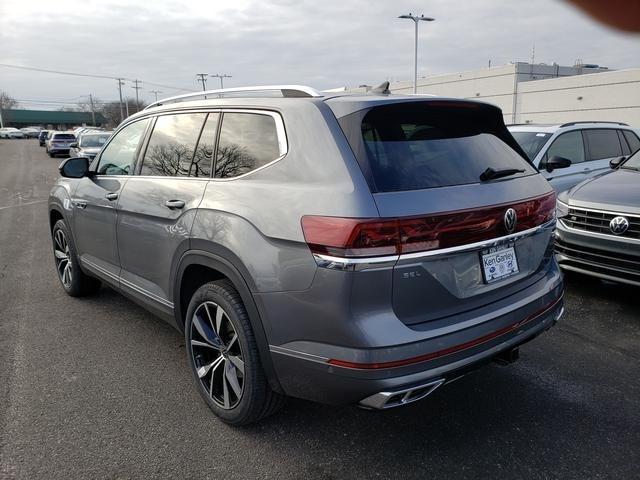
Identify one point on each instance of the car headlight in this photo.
(562, 209)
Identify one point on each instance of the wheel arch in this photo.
(55, 214)
(197, 267)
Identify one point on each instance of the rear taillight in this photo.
(356, 237)
(351, 237)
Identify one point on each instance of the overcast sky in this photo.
(320, 43)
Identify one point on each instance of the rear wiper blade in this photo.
(490, 173)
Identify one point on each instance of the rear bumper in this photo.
(340, 375)
(601, 256)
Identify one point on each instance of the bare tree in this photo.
(7, 102)
(111, 111)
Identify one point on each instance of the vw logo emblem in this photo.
(510, 220)
(618, 225)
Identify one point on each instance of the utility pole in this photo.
(93, 112)
(203, 79)
(127, 104)
(416, 19)
(137, 87)
(224, 75)
(120, 84)
(156, 92)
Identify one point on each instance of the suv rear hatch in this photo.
(459, 249)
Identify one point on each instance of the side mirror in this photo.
(73, 145)
(615, 162)
(74, 167)
(557, 162)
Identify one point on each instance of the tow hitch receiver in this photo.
(507, 357)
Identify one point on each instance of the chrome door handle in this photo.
(79, 204)
(111, 196)
(174, 204)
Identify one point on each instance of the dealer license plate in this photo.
(498, 263)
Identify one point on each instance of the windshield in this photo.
(531, 142)
(89, 141)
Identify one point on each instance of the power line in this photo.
(90, 75)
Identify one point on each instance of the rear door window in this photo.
(568, 145)
(623, 143)
(247, 142)
(417, 146)
(632, 140)
(172, 146)
(603, 143)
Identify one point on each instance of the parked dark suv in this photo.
(340, 248)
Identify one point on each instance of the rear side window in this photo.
(172, 146)
(247, 141)
(603, 143)
(632, 140)
(412, 146)
(568, 145)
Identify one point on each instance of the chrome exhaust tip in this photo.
(398, 398)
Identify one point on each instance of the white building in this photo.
(541, 93)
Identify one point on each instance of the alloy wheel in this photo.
(63, 262)
(217, 355)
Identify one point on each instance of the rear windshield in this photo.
(531, 142)
(64, 136)
(412, 146)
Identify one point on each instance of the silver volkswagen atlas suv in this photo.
(345, 249)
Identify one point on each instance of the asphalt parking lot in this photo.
(99, 388)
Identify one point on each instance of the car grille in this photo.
(602, 261)
(598, 222)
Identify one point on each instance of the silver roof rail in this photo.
(285, 90)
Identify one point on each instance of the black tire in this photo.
(256, 400)
(51, 154)
(74, 281)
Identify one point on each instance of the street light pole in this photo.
(416, 19)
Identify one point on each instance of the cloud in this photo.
(324, 44)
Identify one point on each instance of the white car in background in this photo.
(10, 132)
(587, 146)
(30, 132)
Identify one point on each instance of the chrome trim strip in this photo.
(283, 146)
(482, 244)
(365, 263)
(127, 283)
(101, 270)
(621, 214)
(353, 264)
(297, 354)
(604, 236)
(146, 293)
